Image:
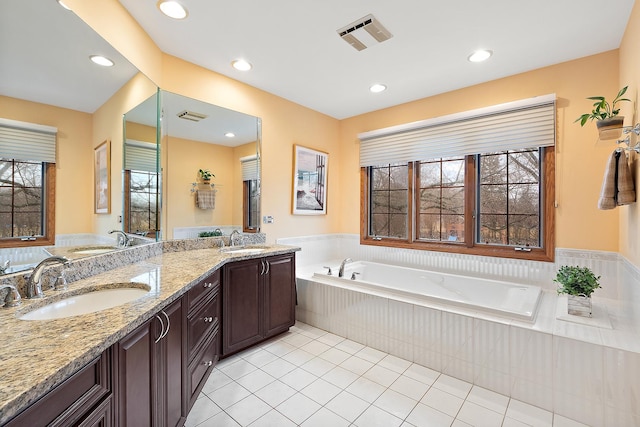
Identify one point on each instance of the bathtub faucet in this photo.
(344, 261)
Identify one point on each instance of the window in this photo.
(27, 184)
(477, 182)
(488, 204)
(251, 203)
(141, 202)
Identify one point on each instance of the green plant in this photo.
(214, 233)
(205, 174)
(576, 280)
(602, 109)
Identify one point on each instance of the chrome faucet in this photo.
(5, 266)
(123, 240)
(34, 286)
(233, 234)
(344, 261)
(12, 298)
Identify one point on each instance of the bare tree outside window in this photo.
(389, 186)
(509, 202)
(21, 198)
(441, 200)
(143, 211)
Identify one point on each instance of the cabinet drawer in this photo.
(203, 290)
(200, 323)
(202, 365)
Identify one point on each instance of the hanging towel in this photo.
(626, 189)
(607, 198)
(206, 199)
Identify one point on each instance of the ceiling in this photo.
(297, 54)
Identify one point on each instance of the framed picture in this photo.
(102, 177)
(309, 181)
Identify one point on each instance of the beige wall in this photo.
(630, 75)
(74, 167)
(580, 159)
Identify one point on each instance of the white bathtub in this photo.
(496, 297)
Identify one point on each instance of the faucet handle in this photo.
(13, 298)
(5, 266)
(329, 270)
(353, 275)
(60, 284)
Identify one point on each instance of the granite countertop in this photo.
(35, 356)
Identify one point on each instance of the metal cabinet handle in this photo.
(268, 267)
(168, 323)
(208, 319)
(208, 363)
(207, 285)
(161, 332)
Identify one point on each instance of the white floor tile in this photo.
(366, 389)
(479, 416)
(442, 401)
(510, 422)
(216, 380)
(278, 368)
(529, 414)
(371, 354)
(394, 363)
(422, 374)
(325, 418)
(334, 355)
(356, 365)
(298, 357)
(560, 421)
(315, 347)
(350, 346)
(340, 377)
(273, 418)
(280, 348)
(221, 420)
(228, 395)
(382, 376)
(238, 369)
(248, 410)
(255, 380)
(395, 403)
(453, 386)
(318, 366)
(202, 410)
(348, 406)
(312, 332)
(425, 416)
(298, 408)
(260, 358)
(321, 391)
(298, 379)
(489, 399)
(297, 340)
(376, 417)
(409, 387)
(275, 393)
(458, 423)
(331, 340)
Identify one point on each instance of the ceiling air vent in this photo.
(364, 33)
(190, 115)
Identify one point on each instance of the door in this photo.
(280, 294)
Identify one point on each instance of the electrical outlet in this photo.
(267, 219)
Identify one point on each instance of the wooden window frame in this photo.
(49, 211)
(469, 247)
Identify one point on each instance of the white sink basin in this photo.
(245, 251)
(86, 303)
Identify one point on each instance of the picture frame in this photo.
(309, 181)
(102, 178)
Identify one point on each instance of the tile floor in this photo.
(309, 377)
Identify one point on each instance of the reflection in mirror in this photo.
(141, 190)
(47, 79)
(197, 135)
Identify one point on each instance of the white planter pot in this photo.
(579, 305)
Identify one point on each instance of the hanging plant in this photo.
(608, 122)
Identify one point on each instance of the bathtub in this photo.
(500, 298)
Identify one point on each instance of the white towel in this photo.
(206, 199)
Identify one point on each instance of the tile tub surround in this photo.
(35, 356)
(582, 372)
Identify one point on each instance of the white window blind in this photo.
(27, 141)
(140, 156)
(250, 168)
(514, 125)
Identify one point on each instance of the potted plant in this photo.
(578, 283)
(206, 175)
(608, 122)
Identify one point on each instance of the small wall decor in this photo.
(309, 181)
(205, 175)
(102, 177)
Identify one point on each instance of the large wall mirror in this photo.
(47, 78)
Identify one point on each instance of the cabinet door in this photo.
(136, 376)
(280, 296)
(242, 307)
(172, 373)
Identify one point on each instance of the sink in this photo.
(88, 302)
(243, 251)
(93, 250)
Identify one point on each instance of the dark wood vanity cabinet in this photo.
(258, 300)
(203, 333)
(150, 380)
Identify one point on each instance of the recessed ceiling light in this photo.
(101, 60)
(230, 134)
(377, 88)
(241, 65)
(172, 9)
(63, 5)
(480, 55)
